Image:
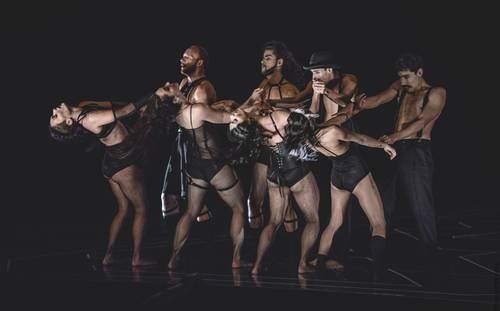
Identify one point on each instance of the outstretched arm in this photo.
(364, 102)
(99, 118)
(345, 135)
(211, 115)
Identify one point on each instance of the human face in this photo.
(324, 75)
(410, 81)
(238, 116)
(189, 60)
(60, 114)
(269, 62)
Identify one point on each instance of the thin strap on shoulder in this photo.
(275, 127)
(426, 99)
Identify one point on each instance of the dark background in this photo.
(55, 52)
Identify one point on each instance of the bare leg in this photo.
(291, 218)
(131, 182)
(369, 199)
(257, 195)
(306, 194)
(339, 201)
(277, 203)
(234, 199)
(194, 205)
(117, 222)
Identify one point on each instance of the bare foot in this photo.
(240, 264)
(256, 270)
(108, 260)
(305, 268)
(330, 264)
(143, 262)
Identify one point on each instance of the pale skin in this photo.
(193, 115)
(305, 192)
(337, 140)
(127, 185)
(411, 117)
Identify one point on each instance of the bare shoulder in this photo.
(437, 95)
(288, 89)
(204, 93)
(349, 78)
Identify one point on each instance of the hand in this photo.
(360, 101)
(161, 93)
(319, 87)
(257, 94)
(390, 151)
(389, 139)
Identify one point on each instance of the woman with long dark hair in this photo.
(349, 175)
(285, 176)
(123, 149)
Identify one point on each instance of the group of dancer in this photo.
(280, 131)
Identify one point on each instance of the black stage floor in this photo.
(466, 276)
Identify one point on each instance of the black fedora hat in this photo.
(322, 59)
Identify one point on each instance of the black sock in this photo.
(321, 263)
(377, 246)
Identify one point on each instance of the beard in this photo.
(188, 69)
(266, 72)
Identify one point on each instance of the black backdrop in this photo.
(54, 52)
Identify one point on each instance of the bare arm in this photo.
(364, 102)
(211, 115)
(98, 118)
(432, 110)
(297, 101)
(345, 135)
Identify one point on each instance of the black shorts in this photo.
(285, 171)
(118, 157)
(204, 169)
(348, 170)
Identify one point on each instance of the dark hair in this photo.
(248, 139)
(409, 61)
(299, 130)
(203, 55)
(292, 70)
(63, 132)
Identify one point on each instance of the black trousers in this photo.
(413, 180)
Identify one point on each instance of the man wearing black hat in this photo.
(331, 99)
(332, 88)
(420, 105)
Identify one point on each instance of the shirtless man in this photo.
(282, 76)
(198, 89)
(420, 105)
(332, 88)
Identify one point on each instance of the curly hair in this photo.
(300, 135)
(248, 139)
(409, 61)
(292, 70)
